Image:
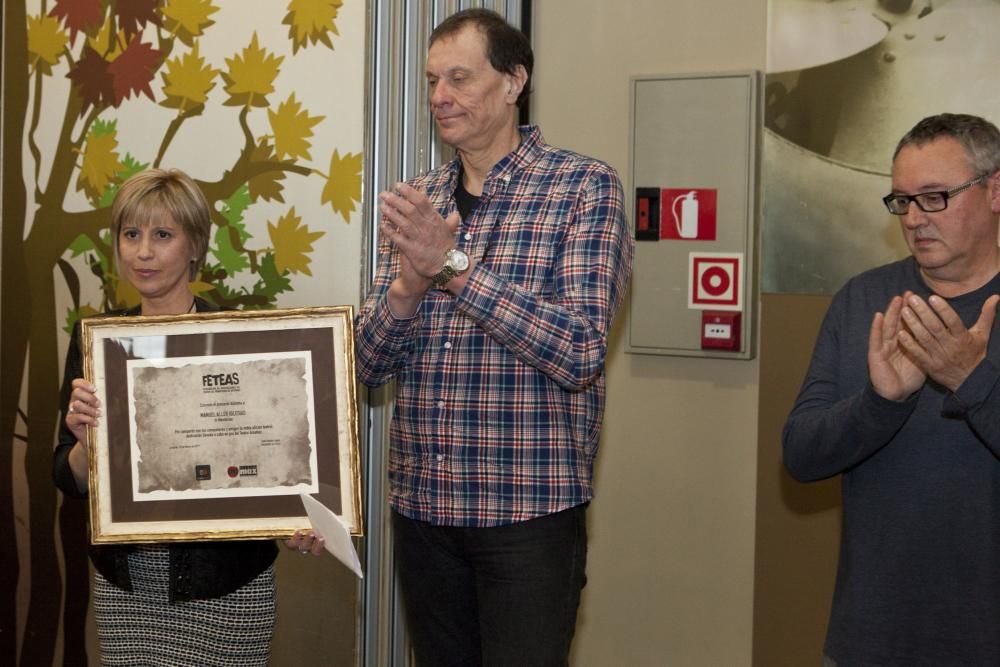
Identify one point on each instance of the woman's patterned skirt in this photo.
(143, 627)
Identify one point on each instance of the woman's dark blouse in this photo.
(198, 570)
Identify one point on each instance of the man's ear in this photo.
(516, 83)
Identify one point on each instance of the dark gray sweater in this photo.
(918, 581)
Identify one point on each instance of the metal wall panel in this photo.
(692, 131)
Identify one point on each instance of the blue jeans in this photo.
(492, 596)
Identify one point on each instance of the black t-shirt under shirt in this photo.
(463, 200)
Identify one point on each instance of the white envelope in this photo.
(328, 525)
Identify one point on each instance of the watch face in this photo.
(458, 260)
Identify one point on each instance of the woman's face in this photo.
(155, 256)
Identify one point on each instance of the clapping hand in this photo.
(938, 342)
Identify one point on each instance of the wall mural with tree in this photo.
(262, 103)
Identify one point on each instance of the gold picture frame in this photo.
(214, 423)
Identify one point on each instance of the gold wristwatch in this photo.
(456, 262)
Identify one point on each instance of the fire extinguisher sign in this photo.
(715, 281)
(687, 214)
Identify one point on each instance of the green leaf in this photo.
(108, 196)
(233, 208)
(102, 127)
(81, 244)
(271, 283)
(231, 259)
(226, 292)
(74, 316)
(241, 231)
(131, 168)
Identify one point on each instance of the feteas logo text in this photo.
(220, 380)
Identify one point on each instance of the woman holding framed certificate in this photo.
(203, 603)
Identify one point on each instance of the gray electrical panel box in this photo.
(694, 201)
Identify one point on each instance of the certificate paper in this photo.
(222, 426)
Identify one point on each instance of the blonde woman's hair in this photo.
(149, 195)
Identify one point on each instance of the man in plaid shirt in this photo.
(499, 276)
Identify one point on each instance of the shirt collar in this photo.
(499, 176)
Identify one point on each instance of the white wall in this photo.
(672, 527)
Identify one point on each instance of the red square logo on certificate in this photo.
(714, 281)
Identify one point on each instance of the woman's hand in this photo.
(81, 413)
(83, 409)
(306, 543)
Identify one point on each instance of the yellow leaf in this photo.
(343, 184)
(46, 41)
(292, 243)
(251, 77)
(187, 81)
(102, 42)
(292, 129)
(199, 287)
(188, 18)
(100, 163)
(310, 21)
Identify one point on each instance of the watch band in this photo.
(456, 262)
(443, 276)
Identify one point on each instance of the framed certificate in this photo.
(214, 423)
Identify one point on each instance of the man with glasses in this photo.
(902, 399)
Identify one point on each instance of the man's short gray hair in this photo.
(978, 136)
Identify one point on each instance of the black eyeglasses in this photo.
(928, 202)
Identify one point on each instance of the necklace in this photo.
(191, 308)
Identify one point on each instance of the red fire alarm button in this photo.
(720, 330)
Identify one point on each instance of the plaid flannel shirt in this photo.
(500, 390)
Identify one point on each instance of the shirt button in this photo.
(439, 457)
(468, 236)
(440, 404)
(447, 345)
